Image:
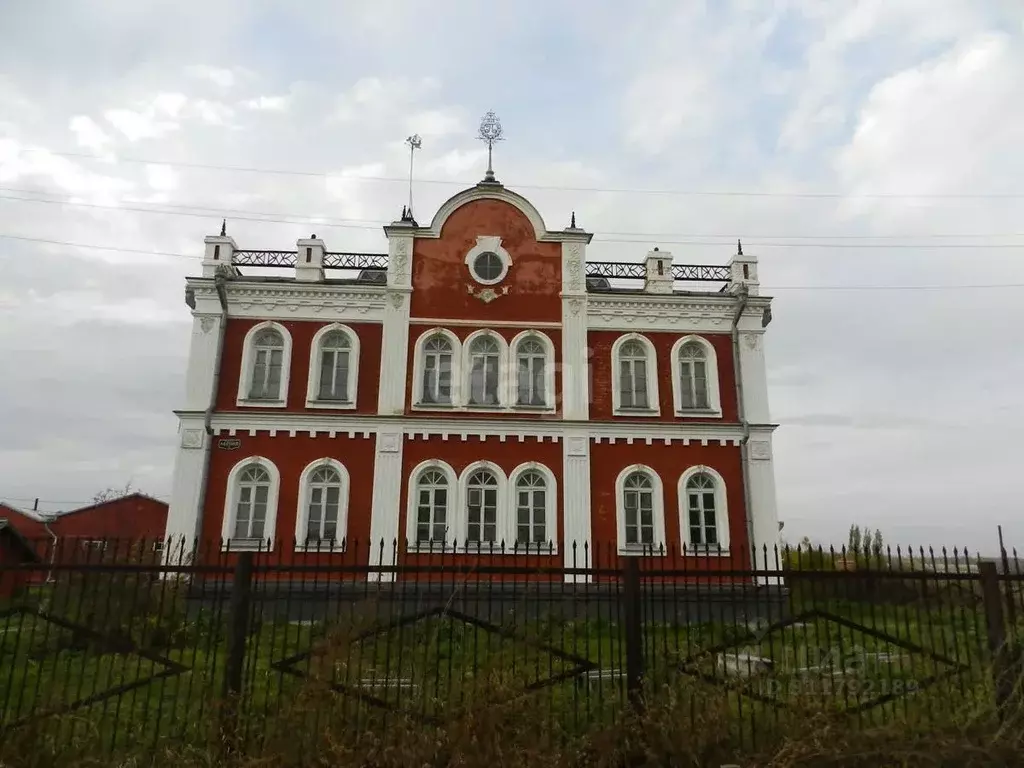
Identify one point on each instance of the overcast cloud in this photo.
(900, 407)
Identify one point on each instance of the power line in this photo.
(617, 190)
(98, 247)
(801, 241)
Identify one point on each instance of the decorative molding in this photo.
(760, 450)
(397, 299)
(487, 295)
(192, 438)
(752, 341)
(206, 323)
(671, 313)
(576, 446)
(288, 300)
(482, 322)
(389, 442)
(575, 305)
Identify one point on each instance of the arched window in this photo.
(437, 370)
(323, 513)
(704, 519)
(335, 365)
(634, 376)
(432, 496)
(482, 508)
(641, 511)
(695, 378)
(638, 506)
(693, 373)
(531, 509)
(250, 504)
(531, 373)
(267, 365)
(484, 371)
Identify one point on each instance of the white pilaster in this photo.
(658, 272)
(394, 356)
(764, 511)
(755, 378)
(202, 355)
(182, 515)
(386, 509)
(575, 359)
(576, 525)
(309, 260)
(219, 250)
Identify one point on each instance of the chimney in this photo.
(658, 278)
(309, 260)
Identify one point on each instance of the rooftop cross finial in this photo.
(572, 222)
(223, 227)
(490, 131)
(739, 248)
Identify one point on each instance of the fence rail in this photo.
(136, 643)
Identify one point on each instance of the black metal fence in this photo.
(143, 649)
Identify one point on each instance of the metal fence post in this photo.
(633, 632)
(238, 632)
(992, 600)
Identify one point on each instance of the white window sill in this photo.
(698, 413)
(471, 408)
(327, 549)
(484, 550)
(244, 402)
(433, 407)
(644, 412)
(649, 550)
(247, 545)
(333, 405)
(524, 408)
(692, 551)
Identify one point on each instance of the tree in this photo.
(110, 494)
(855, 539)
(876, 544)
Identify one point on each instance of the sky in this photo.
(870, 153)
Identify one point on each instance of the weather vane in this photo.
(414, 142)
(490, 131)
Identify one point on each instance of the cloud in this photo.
(267, 103)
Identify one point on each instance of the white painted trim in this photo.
(658, 502)
(313, 382)
(467, 369)
(365, 425)
(488, 244)
(485, 192)
(501, 519)
(432, 321)
(231, 505)
(549, 370)
(450, 511)
(246, 371)
(682, 313)
(287, 299)
(654, 408)
(302, 513)
(417, 370)
(551, 505)
(721, 512)
(714, 411)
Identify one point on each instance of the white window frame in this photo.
(418, 366)
(491, 243)
(313, 387)
(549, 371)
(721, 513)
(467, 370)
(657, 506)
(550, 506)
(654, 404)
(451, 511)
(501, 517)
(302, 514)
(714, 409)
(231, 506)
(248, 357)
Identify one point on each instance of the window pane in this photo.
(326, 374)
(523, 385)
(538, 381)
(700, 385)
(640, 386)
(522, 534)
(491, 381)
(685, 385)
(422, 533)
(626, 384)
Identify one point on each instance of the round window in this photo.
(488, 267)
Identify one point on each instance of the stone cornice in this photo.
(315, 301)
(646, 312)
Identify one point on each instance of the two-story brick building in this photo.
(482, 383)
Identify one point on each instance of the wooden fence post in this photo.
(992, 600)
(633, 632)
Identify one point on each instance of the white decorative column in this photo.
(202, 355)
(395, 342)
(386, 509)
(764, 511)
(754, 372)
(576, 524)
(575, 359)
(309, 260)
(219, 250)
(183, 512)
